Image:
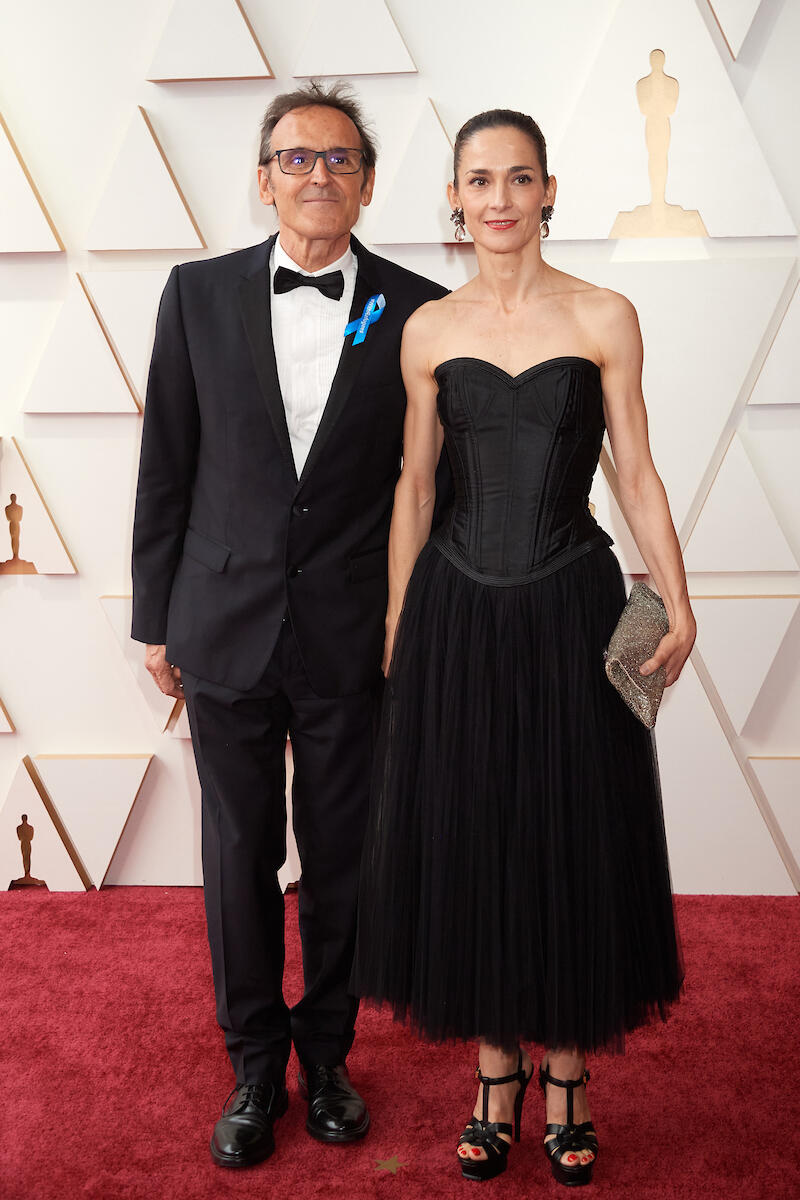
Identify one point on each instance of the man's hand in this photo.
(166, 676)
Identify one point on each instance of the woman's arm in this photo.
(641, 492)
(415, 493)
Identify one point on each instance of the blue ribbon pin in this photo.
(373, 311)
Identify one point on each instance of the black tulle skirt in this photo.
(515, 882)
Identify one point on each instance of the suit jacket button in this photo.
(293, 571)
(300, 510)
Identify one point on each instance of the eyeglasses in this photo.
(340, 161)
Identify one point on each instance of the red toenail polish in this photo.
(572, 1158)
(476, 1152)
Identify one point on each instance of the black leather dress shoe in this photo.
(336, 1112)
(243, 1134)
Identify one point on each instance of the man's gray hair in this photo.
(335, 95)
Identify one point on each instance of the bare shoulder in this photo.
(609, 318)
(603, 303)
(603, 307)
(425, 326)
(427, 316)
(611, 306)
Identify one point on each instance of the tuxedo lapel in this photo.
(350, 361)
(254, 298)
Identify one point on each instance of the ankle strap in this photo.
(517, 1077)
(546, 1077)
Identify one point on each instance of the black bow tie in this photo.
(331, 285)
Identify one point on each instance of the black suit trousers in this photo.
(239, 742)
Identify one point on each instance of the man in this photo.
(270, 451)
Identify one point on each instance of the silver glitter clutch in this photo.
(639, 630)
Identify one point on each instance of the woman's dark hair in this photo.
(311, 95)
(501, 118)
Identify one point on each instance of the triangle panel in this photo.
(25, 328)
(352, 37)
(773, 447)
(30, 543)
(79, 372)
(94, 795)
(737, 529)
(779, 379)
(738, 638)
(414, 209)
(50, 861)
(718, 840)
(25, 224)
(127, 302)
(734, 18)
(780, 779)
(153, 214)
(773, 724)
(673, 300)
(710, 141)
(210, 41)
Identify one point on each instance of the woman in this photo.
(515, 884)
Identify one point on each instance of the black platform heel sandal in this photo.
(570, 1138)
(481, 1134)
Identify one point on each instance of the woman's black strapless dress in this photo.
(515, 883)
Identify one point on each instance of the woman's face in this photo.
(501, 189)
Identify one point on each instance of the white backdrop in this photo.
(720, 318)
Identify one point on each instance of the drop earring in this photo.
(457, 217)
(544, 225)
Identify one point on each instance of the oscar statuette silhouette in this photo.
(15, 565)
(25, 835)
(657, 95)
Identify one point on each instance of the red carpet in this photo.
(114, 1070)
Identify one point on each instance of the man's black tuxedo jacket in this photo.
(225, 535)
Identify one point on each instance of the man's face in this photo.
(318, 205)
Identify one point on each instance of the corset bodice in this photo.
(523, 451)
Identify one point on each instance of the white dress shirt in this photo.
(308, 333)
